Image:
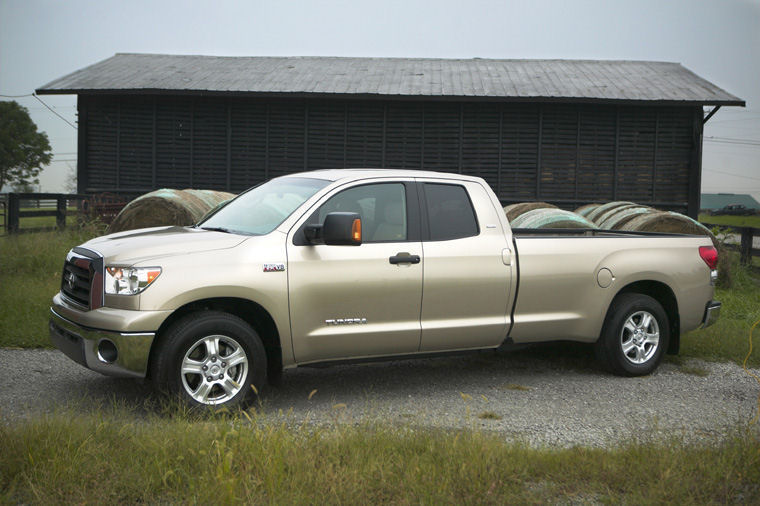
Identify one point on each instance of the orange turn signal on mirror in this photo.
(356, 230)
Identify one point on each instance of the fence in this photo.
(103, 206)
(745, 247)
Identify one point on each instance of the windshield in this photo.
(262, 209)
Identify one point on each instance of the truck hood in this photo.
(134, 246)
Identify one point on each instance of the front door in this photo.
(359, 301)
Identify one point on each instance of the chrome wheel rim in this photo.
(214, 369)
(640, 337)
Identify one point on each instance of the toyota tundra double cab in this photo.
(339, 265)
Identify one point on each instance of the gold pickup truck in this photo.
(341, 265)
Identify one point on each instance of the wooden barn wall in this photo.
(569, 154)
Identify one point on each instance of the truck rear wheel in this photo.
(634, 336)
(211, 359)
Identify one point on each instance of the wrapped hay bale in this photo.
(551, 218)
(167, 207)
(514, 210)
(620, 217)
(585, 210)
(669, 222)
(605, 208)
(606, 215)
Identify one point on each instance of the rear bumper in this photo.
(111, 353)
(712, 312)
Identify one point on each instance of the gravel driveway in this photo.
(552, 395)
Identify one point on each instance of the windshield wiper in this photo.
(218, 229)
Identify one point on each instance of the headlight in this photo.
(129, 280)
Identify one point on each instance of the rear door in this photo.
(358, 301)
(466, 277)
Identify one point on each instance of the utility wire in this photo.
(17, 96)
(732, 174)
(54, 112)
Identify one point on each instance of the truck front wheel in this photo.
(211, 359)
(634, 336)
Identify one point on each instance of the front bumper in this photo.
(712, 312)
(111, 353)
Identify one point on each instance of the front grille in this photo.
(77, 279)
(82, 278)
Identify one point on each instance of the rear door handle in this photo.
(404, 258)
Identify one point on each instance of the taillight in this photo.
(710, 255)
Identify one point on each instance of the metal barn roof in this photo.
(718, 200)
(568, 80)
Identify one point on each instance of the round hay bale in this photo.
(585, 210)
(621, 217)
(515, 210)
(167, 207)
(599, 211)
(551, 218)
(668, 222)
(612, 212)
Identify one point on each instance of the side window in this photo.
(450, 212)
(382, 208)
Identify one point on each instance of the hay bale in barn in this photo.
(585, 210)
(604, 208)
(515, 210)
(551, 218)
(167, 207)
(622, 216)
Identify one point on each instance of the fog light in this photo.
(107, 351)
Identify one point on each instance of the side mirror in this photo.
(341, 229)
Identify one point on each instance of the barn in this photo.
(568, 132)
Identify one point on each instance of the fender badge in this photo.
(274, 267)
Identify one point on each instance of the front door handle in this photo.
(404, 258)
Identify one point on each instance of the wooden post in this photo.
(60, 216)
(13, 210)
(746, 247)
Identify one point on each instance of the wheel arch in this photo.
(247, 310)
(663, 294)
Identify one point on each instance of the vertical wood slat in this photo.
(82, 149)
(654, 155)
(229, 147)
(538, 156)
(118, 145)
(617, 154)
(153, 146)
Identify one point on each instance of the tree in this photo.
(23, 150)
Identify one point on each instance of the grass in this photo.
(30, 274)
(108, 458)
(734, 221)
(728, 338)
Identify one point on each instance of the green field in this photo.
(733, 221)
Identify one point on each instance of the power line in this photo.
(18, 96)
(54, 112)
(732, 174)
(717, 137)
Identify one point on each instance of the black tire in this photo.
(630, 351)
(185, 342)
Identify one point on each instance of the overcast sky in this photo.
(719, 40)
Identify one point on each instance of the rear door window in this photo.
(450, 212)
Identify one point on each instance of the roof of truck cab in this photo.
(355, 174)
